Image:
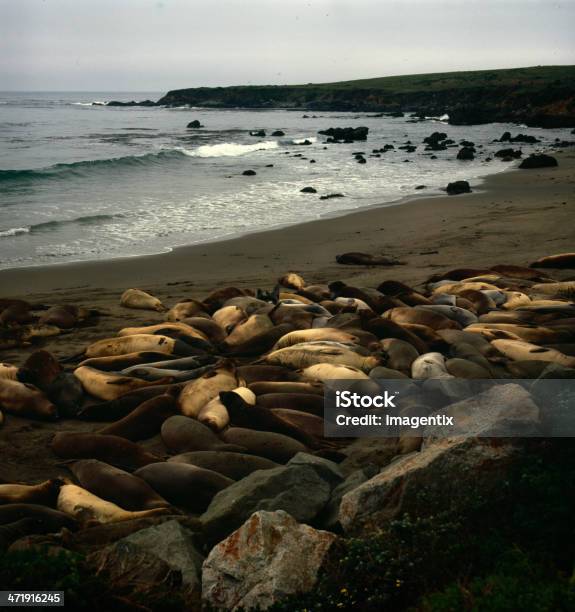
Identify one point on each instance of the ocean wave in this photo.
(14, 231)
(230, 149)
(82, 168)
(49, 226)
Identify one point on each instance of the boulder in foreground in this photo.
(269, 557)
(302, 488)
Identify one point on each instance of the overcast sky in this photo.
(157, 45)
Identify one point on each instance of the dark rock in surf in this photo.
(308, 190)
(458, 187)
(346, 134)
(538, 161)
(278, 133)
(258, 133)
(249, 173)
(194, 124)
(466, 154)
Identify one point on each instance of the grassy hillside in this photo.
(541, 95)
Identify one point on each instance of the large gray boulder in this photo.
(173, 544)
(446, 474)
(302, 488)
(453, 466)
(269, 557)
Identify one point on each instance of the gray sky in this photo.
(157, 45)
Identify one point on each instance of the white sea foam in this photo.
(230, 149)
(14, 231)
(302, 140)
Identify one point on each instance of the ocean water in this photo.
(80, 181)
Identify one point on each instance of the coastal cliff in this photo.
(541, 96)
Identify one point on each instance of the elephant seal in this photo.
(110, 386)
(292, 280)
(243, 332)
(382, 373)
(463, 368)
(197, 393)
(312, 353)
(322, 333)
(565, 289)
(365, 259)
(117, 486)
(8, 371)
(524, 351)
(208, 327)
(88, 508)
(233, 465)
(430, 365)
(121, 407)
(331, 371)
(136, 298)
(153, 374)
(189, 308)
(418, 316)
(25, 400)
(184, 485)
(182, 434)
(400, 354)
(304, 421)
(146, 420)
(182, 364)
(265, 387)
(54, 519)
(458, 274)
(386, 328)
(264, 372)
(228, 317)
(109, 449)
(268, 444)
(44, 493)
(460, 315)
(260, 418)
(563, 260)
(258, 344)
(64, 316)
(219, 297)
(184, 331)
(139, 343)
(115, 363)
(306, 402)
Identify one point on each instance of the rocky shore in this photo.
(538, 96)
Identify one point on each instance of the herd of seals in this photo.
(233, 383)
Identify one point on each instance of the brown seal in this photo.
(146, 420)
(258, 417)
(182, 434)
(43, 493)
(562, 260)
(109, 449)
(115, 485)
(25, 400)
(268, 444)
(271, 373)
(184, 485)
(266, 386)
(306, 402)
(233, 465)
(54, 519)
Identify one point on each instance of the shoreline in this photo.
(505, 220)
